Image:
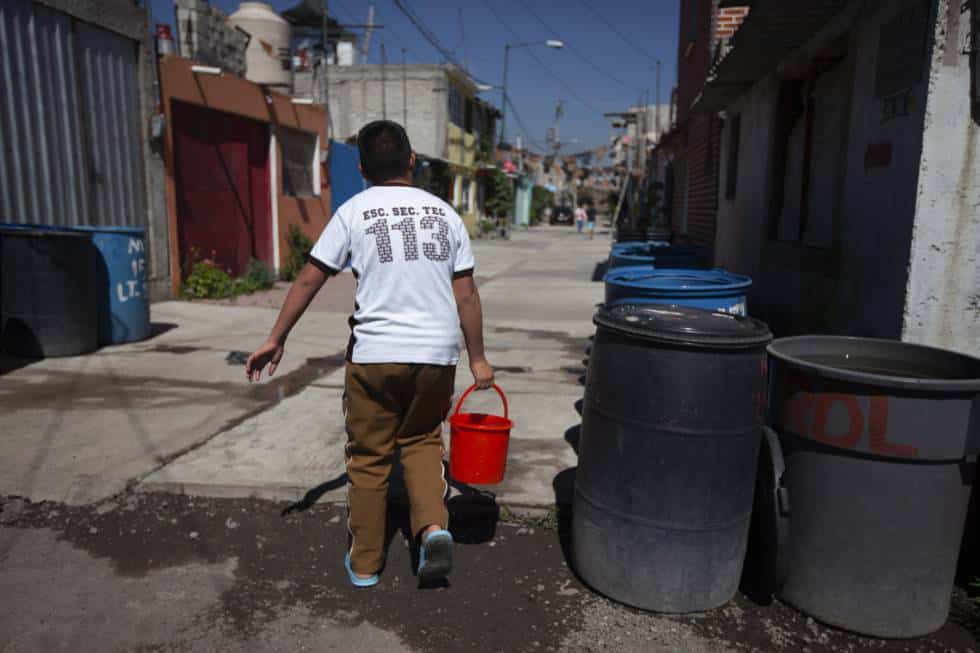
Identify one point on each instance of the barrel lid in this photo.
(684, 325)
(113, 229)
(682, 279)
(36, 231)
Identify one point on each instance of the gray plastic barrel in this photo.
(48, 301)
(671, 426)
(879, 439)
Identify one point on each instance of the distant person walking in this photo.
(590, 216)
(580, 217)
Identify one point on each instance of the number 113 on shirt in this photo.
(438, 249)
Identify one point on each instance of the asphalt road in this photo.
(148, 572)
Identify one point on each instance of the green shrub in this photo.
(500, 200)
(299, 247)
(259, 276)
(207, 281)
(541, 198)
(486, 225)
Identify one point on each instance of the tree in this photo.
(501, 196)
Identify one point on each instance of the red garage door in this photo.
(224, 209)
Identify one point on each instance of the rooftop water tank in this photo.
(267, 57)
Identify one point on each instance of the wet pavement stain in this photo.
(571, 344)
(512, 590)
(277, 388)
(501, 595)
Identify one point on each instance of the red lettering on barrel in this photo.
(878, 432)
(855, 420)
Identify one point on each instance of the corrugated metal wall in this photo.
(70, 151)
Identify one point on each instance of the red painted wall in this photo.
(222, 180)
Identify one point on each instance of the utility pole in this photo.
(365, 52)
(324, 65)
(384, 81)
(503, 98)
(404, 92)
(656, 109)
(366, 48)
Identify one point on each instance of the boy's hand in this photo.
(482, 373)
(269, 353)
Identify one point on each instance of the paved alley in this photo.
(177, 508)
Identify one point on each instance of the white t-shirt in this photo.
(404, 246)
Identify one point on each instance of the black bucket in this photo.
(671, 426)
(48, 303)
(879, 440)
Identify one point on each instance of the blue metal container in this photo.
(661, 254)
(717, 289)
(124, 306)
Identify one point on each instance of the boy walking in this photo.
(410, 254)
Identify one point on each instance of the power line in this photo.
(431, 38)
(615, 29)
(520, 123)
(568, 88)
(575, 51)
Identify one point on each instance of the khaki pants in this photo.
(389, 405)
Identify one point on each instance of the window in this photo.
(468, 116)
(731, 167)
(300, 168)
(456, 106)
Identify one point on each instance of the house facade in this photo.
(450, 128)
(243, 164)
(849, 184)
(694, 141)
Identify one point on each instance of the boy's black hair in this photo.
(385, 151)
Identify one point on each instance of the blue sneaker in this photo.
(356, 580)
(436, 555)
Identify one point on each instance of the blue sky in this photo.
(608, 62)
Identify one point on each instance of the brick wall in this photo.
(703, 153)
(728, 21)
(704, 29)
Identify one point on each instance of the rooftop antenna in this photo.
(366, 50)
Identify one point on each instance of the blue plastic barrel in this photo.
(717, 289)
(658, 253)
(124, 306)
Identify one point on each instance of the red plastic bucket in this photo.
(478, 443)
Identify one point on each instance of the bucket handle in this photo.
(466, 394)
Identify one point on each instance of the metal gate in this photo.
(345, 178)
(70, 147)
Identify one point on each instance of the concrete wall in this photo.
(119, 16)
(879, 198)
(356, 99)
(743, 219)
(849, 273)
(204, 34)
(943, 294)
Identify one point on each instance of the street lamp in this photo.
(551, 43)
